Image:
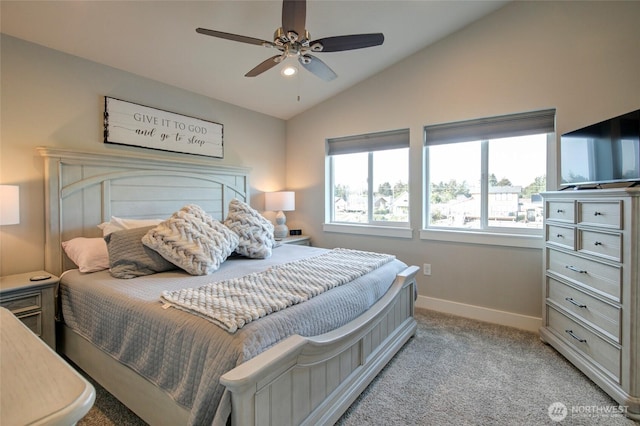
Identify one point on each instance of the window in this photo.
(369, 180)
(486, 175)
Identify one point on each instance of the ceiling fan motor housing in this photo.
(282, 38)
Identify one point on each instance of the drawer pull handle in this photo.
(572, 301)
(559, 211)
(572, 334)
(598, 214)
(597, 243)
(559, 236)
(574, 269)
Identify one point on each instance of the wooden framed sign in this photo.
(127, 123)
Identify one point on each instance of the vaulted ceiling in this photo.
(157, 40)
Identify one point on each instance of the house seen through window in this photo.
(370, 179)
(488, 174)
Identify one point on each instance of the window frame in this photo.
(366, 143)
(483, 130)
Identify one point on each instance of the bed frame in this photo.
(298, 381)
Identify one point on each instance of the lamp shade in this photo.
(9, 204)
(280, 201)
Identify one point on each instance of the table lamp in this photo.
(9, 204)
(280, 202)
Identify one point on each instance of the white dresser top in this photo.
(38, 386)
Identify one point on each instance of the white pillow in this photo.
(89, 254)
(119, 224)
(254, 230)
(192, 240)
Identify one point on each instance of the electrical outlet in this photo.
(427, 269)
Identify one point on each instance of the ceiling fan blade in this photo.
(234, 37)
(294, 15)
(317, 67)
(347, 42)
(264, 66)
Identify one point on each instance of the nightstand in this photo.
(299, 240)
(32, 302)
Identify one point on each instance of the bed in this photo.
(302, 365)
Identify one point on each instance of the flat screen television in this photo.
(605, 152)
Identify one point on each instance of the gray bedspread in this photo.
(184, 354)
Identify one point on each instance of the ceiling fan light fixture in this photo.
(289, 71)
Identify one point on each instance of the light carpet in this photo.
(457, 371)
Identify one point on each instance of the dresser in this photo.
(38, 386)
(591, 286)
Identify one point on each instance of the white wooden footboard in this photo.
(314, 380)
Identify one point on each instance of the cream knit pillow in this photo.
(192, 240)
(254, 231)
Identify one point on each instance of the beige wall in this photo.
(53, 99)
(581, 58)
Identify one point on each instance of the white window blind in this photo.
(521, 124)
(393, 139)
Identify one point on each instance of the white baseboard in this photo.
(480, 313)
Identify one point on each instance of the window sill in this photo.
(379, 231)
(486, 238)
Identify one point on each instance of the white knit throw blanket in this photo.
(235, 302)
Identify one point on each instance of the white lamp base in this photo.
(280, 231)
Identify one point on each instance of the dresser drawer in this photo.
(600, 213)
(561, 236)
(561, 211)
(602, 353)
(24, 302)
(602, 315)
(601, 244)
(600, 277)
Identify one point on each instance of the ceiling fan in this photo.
(293, 40)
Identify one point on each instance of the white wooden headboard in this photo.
(84, 189)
